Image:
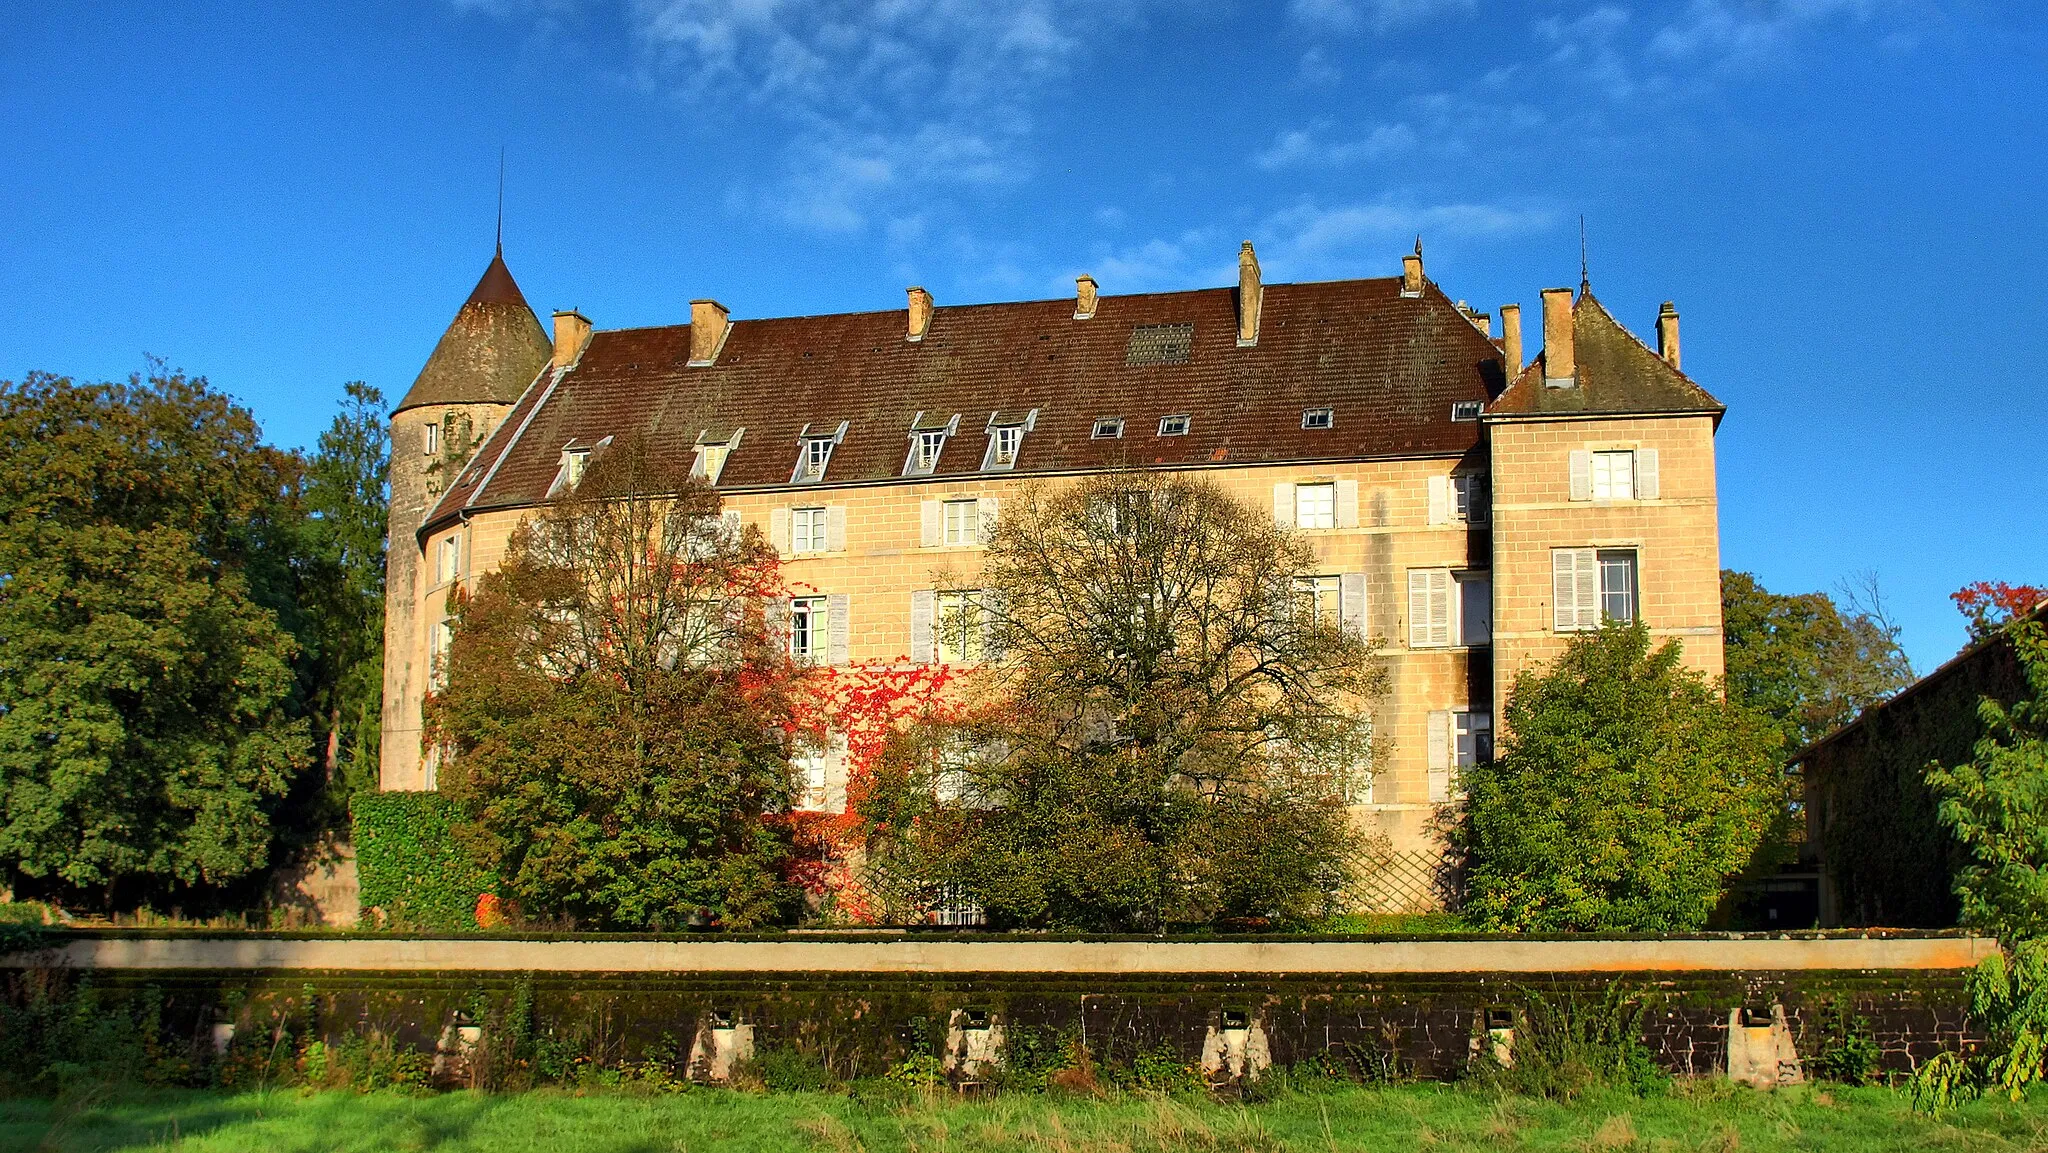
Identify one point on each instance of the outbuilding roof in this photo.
(1617, 375)
(1390, 367)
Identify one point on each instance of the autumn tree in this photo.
(1991, 605)
(1805, 661)
(1169, 720)
(615, 713)
(146, 682)
(1625, 794)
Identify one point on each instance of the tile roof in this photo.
(490, 351)
(1390, 367)
(1617, 375)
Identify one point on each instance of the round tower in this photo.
(490, 353)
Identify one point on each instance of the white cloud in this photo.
(1307, 147)
(1315, 70)
(1378, 15)
(1737, 33)
(1309, 239)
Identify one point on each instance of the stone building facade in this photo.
(1468, 511)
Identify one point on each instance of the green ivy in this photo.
(410, 865)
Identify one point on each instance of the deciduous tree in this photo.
(1996, 804)
(1166, 730)
(1626, 793)
(1804, 661)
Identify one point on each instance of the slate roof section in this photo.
(491, 350)
(1390, 366)
(1618, 375)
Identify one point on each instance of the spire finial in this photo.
(1418, 244)
(1585, 279)
(501, 200)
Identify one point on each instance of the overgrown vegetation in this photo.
(1172, 733)
(191, 620)
(1626, 793)
(1805, 661)
(1996, 804)
(413, 871)
(1566, 1047)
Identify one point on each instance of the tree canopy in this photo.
(1167, 727)
(1804, 661)
(615, 719)
(1625, 794)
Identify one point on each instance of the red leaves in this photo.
(1990, 604)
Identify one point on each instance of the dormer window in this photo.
(814, 452)
(1318, 418)
(1108, 428)
(1464, 410)
(927, 442)
(1006, 438)
(713, 447)
(567, 477)
(1176, 425)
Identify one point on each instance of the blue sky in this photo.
(1844, 198)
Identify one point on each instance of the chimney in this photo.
(709, 322)
(1511, 337)
(572, 330)
(1560, 360)
(1411, 271)
(920, 314)
(1084, 297)
(1484, 322)
(1667, 333)
(1250, 296)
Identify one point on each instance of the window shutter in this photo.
(835, 528)
(991, 633)
(985, 518)
(1588, 577)
(1351, 602)
(1440, 756)
(775, 614)
(1439, 500)
(1564, 590)
(1347, 504)
(1429, 607)
(924, 606)
(778, 529)
(730, 523)
(1582, 475)
(1440, 607)
(931, 524)
(1646, 474)
(1283, 505)
(839, 628)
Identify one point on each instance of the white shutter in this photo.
(1347, 504)
(778, 529)
(1582, 474)
(838, 628)
(1283, 505)
(985, 518)
(775, 615)
(931, 524)
(1646, 474)
(1429, 607)
(835, 528)
(1440, 756)
(1440, 607)
(729, 521)
(924, 605)
(1564, 595)
(1351, 602)
(1439, 500)
(1588, 597)
(991, 633)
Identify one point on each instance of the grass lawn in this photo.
(1709, 1116)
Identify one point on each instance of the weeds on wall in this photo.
(1565, 1047)
(1840, 1047)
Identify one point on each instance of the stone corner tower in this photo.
(488, 356)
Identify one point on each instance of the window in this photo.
(1472, 738)
(807, 530)
(709, 463)
(1108, 428)
(1318, 418)
(963, 522)
(1318, 598)
(1429, 608)
(952, 906)
(811, 461)
(1469, 497)
(1614, 476)
(958, 630)
(811, 781)
(574, 461)
(438, 644)
(807, 628)
(1173, 425)
(430, 443)
(924, 454)
(1315, 505)
(1004, 441)
(448, 559)
(1458, 739)
(1463, 410)
(1589, 586)
(1475, 609)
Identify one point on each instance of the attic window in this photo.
(1465, 410)
(1318, 418)
(567, 477)
(713, 447)
(1108, 428)
(814, 452)
(1160, 344)
(927, 441)
(1006, 438)
(1176, 425)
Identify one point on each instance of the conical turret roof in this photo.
(491, 351)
